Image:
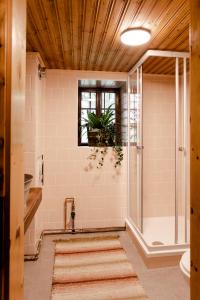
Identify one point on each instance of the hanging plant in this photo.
(102, 133)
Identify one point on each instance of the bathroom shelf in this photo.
(33, 202)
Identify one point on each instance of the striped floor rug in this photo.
(94, 268)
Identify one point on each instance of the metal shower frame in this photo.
(138, 69)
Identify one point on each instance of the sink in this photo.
(27, 183)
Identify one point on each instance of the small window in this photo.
(97, 100)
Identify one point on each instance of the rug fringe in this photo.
(94, 238)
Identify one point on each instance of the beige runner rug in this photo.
(94, 268)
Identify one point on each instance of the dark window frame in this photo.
(99, 91)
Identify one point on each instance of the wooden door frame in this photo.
(5, 124)
(195, 148)
(12, 100)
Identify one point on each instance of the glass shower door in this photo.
(159, 148)
(135, 148)
(182, 155)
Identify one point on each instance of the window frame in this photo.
(98, 92)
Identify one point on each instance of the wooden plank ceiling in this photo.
(85, 34)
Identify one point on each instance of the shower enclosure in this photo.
(158, 209)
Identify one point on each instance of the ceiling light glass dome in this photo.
(135, 36)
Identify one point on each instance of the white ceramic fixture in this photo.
(185, 264)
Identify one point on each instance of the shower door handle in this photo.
(140, 147)
(181, 149)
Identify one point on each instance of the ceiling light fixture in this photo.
(135, 36)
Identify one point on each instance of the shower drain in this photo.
(157, 243)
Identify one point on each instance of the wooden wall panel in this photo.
(12, 99)
(195, 150)
(85, 34)
(18, 73)
(4, 152)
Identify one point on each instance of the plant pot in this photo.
(98, 138)
(93, 137)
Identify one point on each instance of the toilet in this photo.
(185, 265)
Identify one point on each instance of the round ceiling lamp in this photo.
(135, 36)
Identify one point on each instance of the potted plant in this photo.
(102, 133)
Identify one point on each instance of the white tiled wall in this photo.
(159, 146)
(100, 195)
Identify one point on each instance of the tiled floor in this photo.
(160, 284)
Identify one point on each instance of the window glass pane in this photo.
(102, 101)
(85, 95)
(84, 138)
(83, 116)
(88, 100)
(85, 104)
(110, 100)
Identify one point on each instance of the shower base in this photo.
(161, 229)
(158, 237)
